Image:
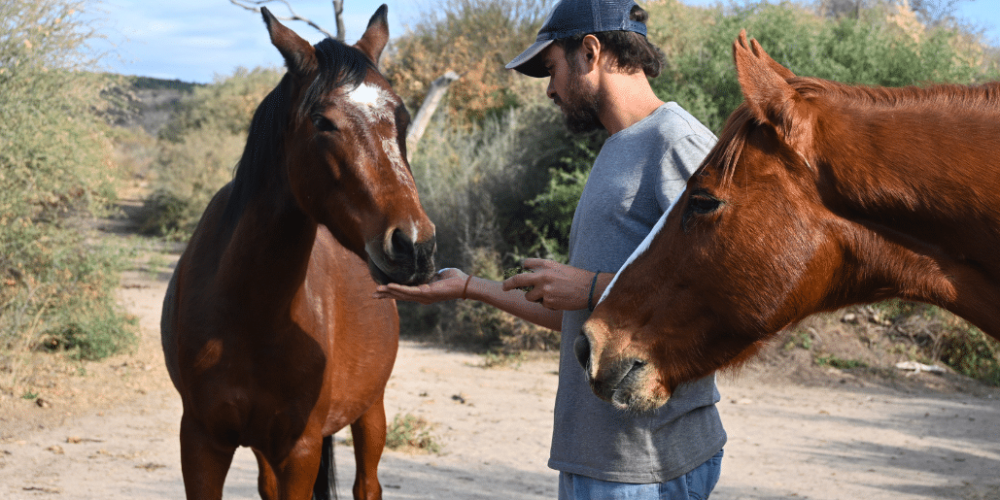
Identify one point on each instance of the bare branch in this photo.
(254, 6)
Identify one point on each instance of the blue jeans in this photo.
(695, 485)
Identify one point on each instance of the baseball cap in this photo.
(574, 17)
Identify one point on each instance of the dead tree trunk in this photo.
(338, 15)
(439, 88)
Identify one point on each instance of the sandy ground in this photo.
(847, 438)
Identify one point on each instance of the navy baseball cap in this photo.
(575, 17)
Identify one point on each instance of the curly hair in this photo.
(632, 51)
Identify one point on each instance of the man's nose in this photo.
(549, 91)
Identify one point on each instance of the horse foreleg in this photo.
(204, 461)
(368, 432)
(296, 473)
(267, 483)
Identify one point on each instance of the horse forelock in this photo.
(733, 138)
(340, 65)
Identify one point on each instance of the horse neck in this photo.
(919, 182)
(269, 247)
(925, 164)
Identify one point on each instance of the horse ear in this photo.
(376, 35)
(763, 81)
(300, 56)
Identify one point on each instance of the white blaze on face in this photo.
(642, 246)
(375, 104)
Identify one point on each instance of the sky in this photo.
(200, 40)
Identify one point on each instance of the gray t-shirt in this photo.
(638, 173)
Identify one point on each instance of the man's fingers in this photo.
(532, 263)
(513, 282)
(523, 280)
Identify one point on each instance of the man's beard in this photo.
(580, 107)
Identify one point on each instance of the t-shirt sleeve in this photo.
(680, 160)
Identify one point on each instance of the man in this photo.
(597, 59)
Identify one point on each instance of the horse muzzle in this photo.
(627, 382)
(399, 259)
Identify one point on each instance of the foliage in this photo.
(200, 146)
(227, 105)
(552, 210)
(409, 431)
(475, 184)
(882, 46)
(940, 336)
(474, 38)
(970, 352)
(840, 363)
(56, 166)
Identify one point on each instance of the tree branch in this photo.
(254, 6)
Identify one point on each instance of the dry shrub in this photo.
(475, 39)
(57, 169)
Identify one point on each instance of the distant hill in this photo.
(140, 101)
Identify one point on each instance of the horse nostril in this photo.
(402, 246)
(582, 349)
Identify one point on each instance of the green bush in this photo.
(880, 47)
(56, 168)
(408, 431)
(199, 148)
(972, 353)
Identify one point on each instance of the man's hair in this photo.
(632, 51)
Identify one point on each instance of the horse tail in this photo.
(326, 481)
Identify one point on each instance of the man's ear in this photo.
(590, 51)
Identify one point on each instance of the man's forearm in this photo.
(513, 302)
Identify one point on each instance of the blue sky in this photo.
(195, 40)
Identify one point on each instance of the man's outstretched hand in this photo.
(447, 284)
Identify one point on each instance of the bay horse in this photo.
(269, 330)
(817, 196)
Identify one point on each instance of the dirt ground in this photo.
(109, 429)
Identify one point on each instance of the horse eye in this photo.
(703, 203)
(323, 124)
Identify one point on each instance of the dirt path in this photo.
(830, 441)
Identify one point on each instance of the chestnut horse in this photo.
(818, 195)
(269, 329)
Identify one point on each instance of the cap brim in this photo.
(528, 63)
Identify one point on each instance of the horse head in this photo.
(744, 251)
(346, 151)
